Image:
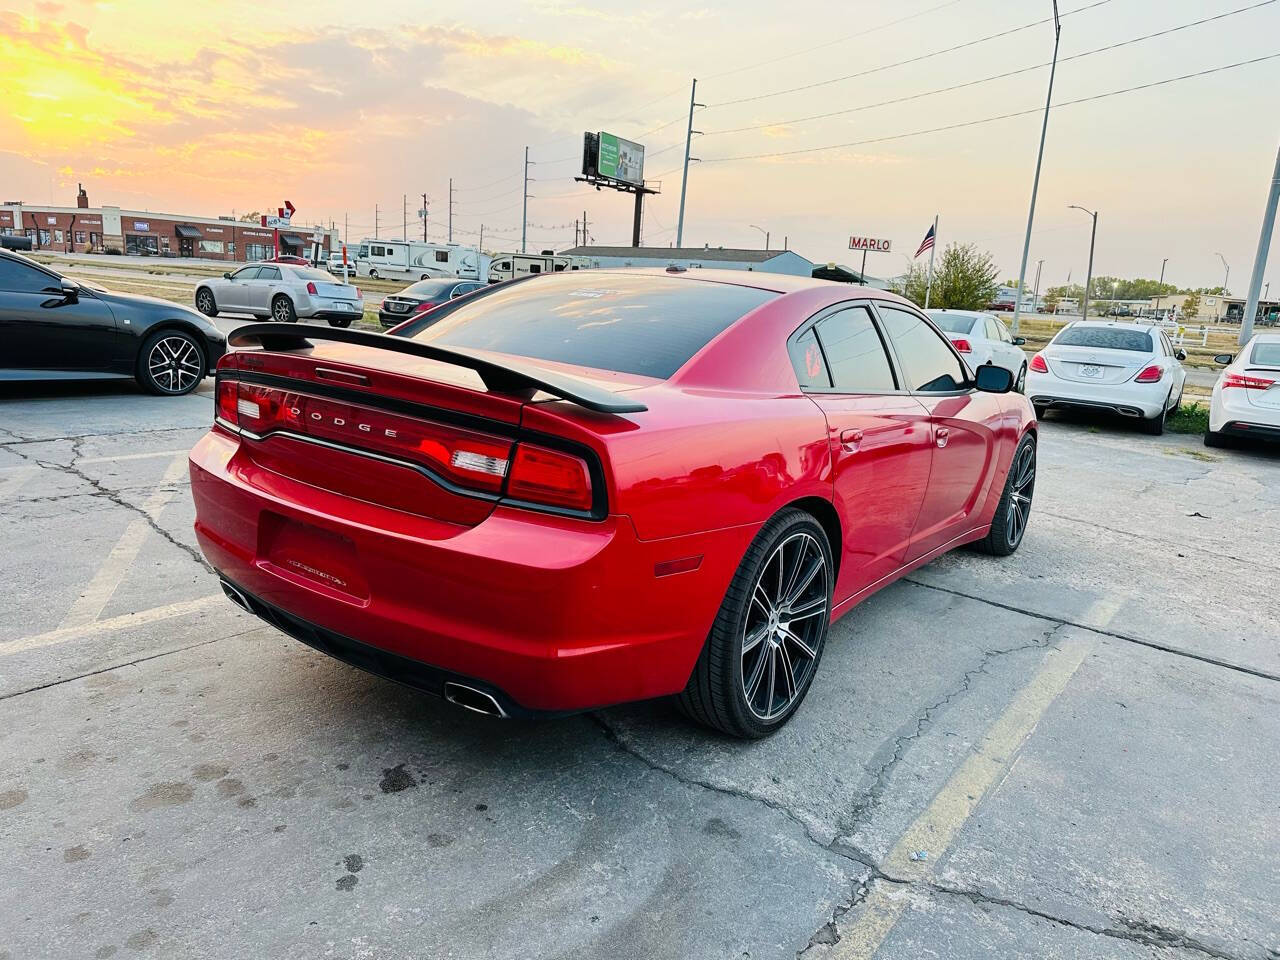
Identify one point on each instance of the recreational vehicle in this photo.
(409, 260)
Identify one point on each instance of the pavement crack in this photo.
(1139, 931)
(107, 493)
(611, 733)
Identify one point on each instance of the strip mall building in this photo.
(85, 229)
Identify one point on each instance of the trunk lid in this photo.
(336, 290)
(1094, 364)
(1270, 398)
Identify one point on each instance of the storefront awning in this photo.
(288, 241)
(188, 233)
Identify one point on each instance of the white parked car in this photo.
(982, 338)
(1246, 398)
(283, 292)
(1127, 368)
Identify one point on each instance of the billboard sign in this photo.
(869, 244)
(621, 160)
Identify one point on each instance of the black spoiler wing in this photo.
(501, 376)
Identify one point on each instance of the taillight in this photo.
(1151, 374)
(311, 288)
(548, 477)
(426, 306)
(1038, 365)
(225, 404)
(359, 295)
(963, 346)
(1243, 382)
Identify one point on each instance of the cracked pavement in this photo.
(179, 780)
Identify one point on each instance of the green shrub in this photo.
(1191, 418)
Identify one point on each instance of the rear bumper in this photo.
(392, 319)
(1230, 412)
(1126, 399)
(323, 308)
(549, 613)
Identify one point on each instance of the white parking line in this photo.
(132, 456)
(935, 830)
(141, 618)
(88, 606)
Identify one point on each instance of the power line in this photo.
(900, 63)
(832, 43)
(486, 186)
(998, 76)
(1003, 116)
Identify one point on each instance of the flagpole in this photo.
(928, 288)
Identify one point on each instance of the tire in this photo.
(171, 363)
(282, 310)
(1178, 406)
(1212, 439)
(1014, 510)
(1020, 384)
(205, 302)
(1155, 425)
(339, 321)
(1040, 410)
(791, 547)
(373, 274)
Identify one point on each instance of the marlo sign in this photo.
(869, 244)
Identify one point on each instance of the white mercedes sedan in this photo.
(1246, 398)
(1126, 368)
(282, 292)
(983, 338)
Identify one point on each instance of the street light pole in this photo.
(1225, 277)
(1035, 297)
(761, 229)
(1160, 288)
(1260, 259)
(1035, 183)
(1088, 281)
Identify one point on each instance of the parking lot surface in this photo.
(1069, 752)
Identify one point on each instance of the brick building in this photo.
(85, 229)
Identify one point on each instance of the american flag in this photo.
(926, 243)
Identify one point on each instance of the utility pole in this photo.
(424, 205)
(1225, 277)
(424, 215)
(404, 214)
(375, 221)
(1035, 183)
(480, 245)
(524, 209)
(1260, 259)
(684, 177)
(346, 225)
(1160, 289)
(585, 241)
(1088, 280)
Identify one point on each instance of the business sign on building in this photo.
(621, 160)
(869, 244)
(142, 226)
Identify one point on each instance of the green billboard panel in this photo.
(621, 160)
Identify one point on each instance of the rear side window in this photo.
(854, 352)
(927, 361)
(1266, 354)
(806, 357)
(269, 273)
(643, 325)
(1106, 338)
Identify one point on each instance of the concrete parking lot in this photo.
(1070, 752)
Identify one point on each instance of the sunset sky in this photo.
(209, 108)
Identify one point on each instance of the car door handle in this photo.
(941, 436)
(849, 439)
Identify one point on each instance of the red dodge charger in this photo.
(586, 488)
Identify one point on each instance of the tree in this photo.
(253, 217)
(1191, 306)
(1051, 301)
(964, 278)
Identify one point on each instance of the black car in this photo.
(56, 328)
(417, 298)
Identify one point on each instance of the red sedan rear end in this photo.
(590, 488)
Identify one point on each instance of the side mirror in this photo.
(992, 379)
(70, 289)
(1019, 341)
(1181, 354)
(226, 276)
(1223, 358)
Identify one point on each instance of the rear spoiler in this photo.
(501, 376)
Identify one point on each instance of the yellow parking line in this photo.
(88, 606)
(141, 618)
(936, 828)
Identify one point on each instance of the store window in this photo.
(141, 245)
(257, 251)
(80, 237)
(211, 246)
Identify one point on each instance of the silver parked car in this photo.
(283, 292)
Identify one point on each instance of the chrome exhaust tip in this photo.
(235, 596)
(469, 698)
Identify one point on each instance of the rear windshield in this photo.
(949, 323)
(1108, 338)
(429, 288)
(647, 325)
(310, 273)
(1266, 354)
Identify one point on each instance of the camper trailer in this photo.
(508, 266)
(410, 260)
